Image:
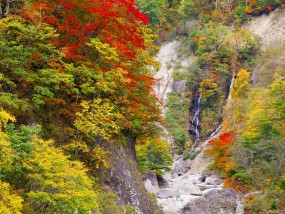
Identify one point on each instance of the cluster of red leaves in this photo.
(220, 149)
(114, 22)
(223, 141)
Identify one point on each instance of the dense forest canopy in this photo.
(74, 72)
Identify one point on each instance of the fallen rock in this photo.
(195, 206)
(149, 187)
(213, 180)
(188, 188)
(151, 176)
(221, 201)
(169, 205)
(181, 167)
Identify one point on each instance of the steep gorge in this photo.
(187, 189)
(190, 187)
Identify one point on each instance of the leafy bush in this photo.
(189, 155)
(154, 154)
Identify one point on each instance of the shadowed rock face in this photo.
(125, 180)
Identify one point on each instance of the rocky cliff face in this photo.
(269, 28)
(124, 179)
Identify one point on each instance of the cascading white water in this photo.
(196, 118)
(231, 86)
(215, 133)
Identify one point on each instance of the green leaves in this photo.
(154, 154)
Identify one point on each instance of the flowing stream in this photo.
(196, 109)
(188, 189)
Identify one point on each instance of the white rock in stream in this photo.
(181, 167)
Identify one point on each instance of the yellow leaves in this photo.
(208, 87)
(98, 118)
(105, 51)
(235, 111)
(5, 118)
(77, 145)
(241, 84)
(57, 181)
(5, 148)
(9, 202)
(6, 152)
(99, 154)
(255, 113)
(240, 40)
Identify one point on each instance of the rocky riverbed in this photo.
(190, 189)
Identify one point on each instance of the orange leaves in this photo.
(230, 182)
(102, 48)
(227, 138)
(70, 52)
(222, 141)
(220, 149)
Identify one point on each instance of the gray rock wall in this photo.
(125, 180)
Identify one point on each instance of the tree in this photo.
(9, 203)
(153, 9)
(154, 154)
(58, 185)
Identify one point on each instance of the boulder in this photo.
(214, 180)
(221, 201)
(181, 166)
(151, 176)
(149, 187)
(195, 206)
(169, 205)
(188, 188)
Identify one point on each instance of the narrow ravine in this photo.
(189, 187)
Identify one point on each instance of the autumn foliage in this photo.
(79, 69)
(220, 149)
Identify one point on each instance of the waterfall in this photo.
(231, 86)
(195, 109)
(217, 131)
